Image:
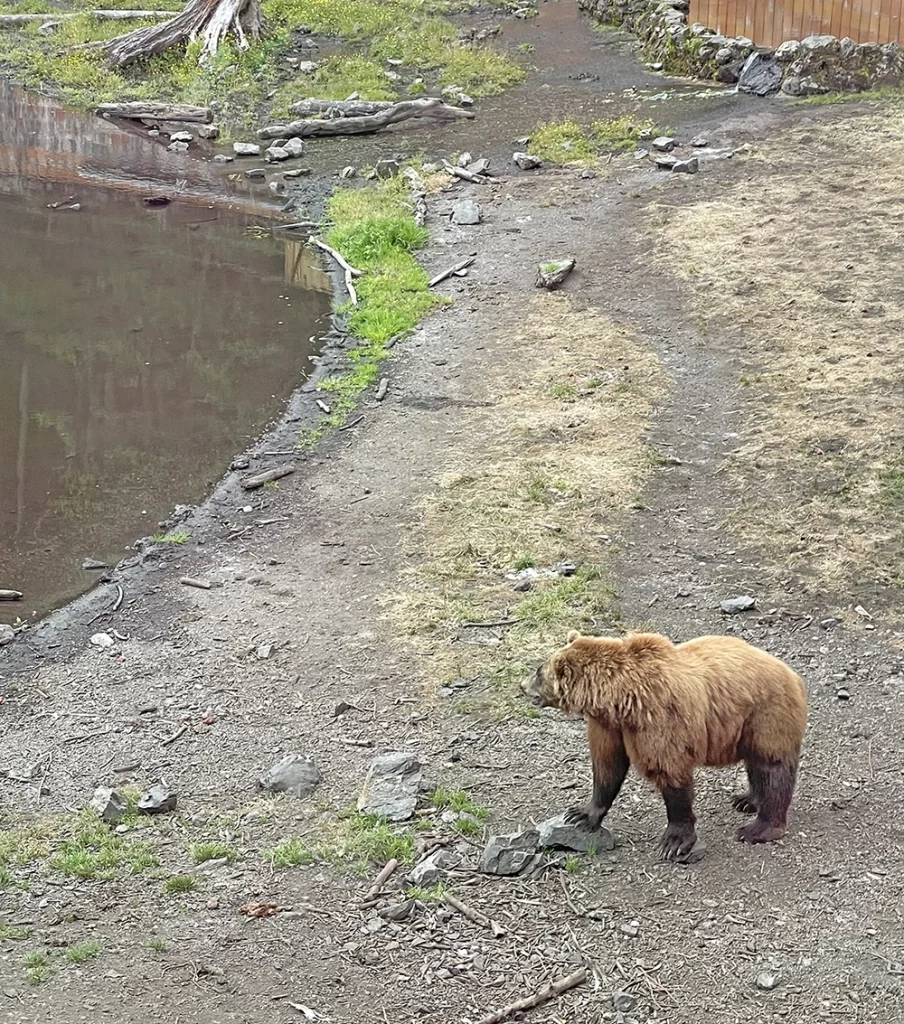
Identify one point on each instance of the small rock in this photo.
(511, 854)
(297, 172)
(264, 652)
(766, 981)
(664, 162)
(391, 786)
(842, 693)
(256, 172)
(102, 640)
(308, 67)
(464, 159)
(109, 804)
(387, 168)
(223, 158)
(527, 162)
(209, 131)
(295, 774)
(686, 166)
(207, 867)
(246, 149)
(277, 186)
(93, 563)
(736, 605)
(480, 166)
(294, 147)
(157, 800)
(7, 634)
(466, 211)
(664, 144)
(631, 929)
(699, 142)
(522, 586)
(464, 100)
(433, 869)
(566, 569)
(182, 137)
(347, 172)
(178, 147)
(828, 623)
(623, 1001)
(276, 154)
(398, 912)
(587, 174)
(556, 834)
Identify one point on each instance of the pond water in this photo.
(140, 347)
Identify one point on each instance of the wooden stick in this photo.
(451, 270)
(139, 110)
(465, 174)
(24, 19)
(350, 271)
(466, 911)
(190, 581)
(323, 127)
(251, 483)
(554, 988)
(382, 388)
(381, 879)
(174, 737)
(10, 595)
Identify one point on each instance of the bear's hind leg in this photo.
(680, 836)
(771, 786)
(610, 766)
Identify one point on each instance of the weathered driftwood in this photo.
(323, 128)
(461, 265)
(139, 109)
(23, 19)
(418, 195)
(210, 21)
(251, 483)
(550, 275)
(350, 271)
(339, 108)
(465, 174)
(10, 595)
(550, 991)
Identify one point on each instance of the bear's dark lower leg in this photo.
(610, 766)
(771, 787)
(680, 836)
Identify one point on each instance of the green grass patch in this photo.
(93, 851)
(375, 231)
(891, 484)
(179, 884)
(291, 853)
(84, 951)
(568, 142)
(37, 968)
(13, 932)
(205, 851)
(176, 537)
(366, 840)
(158, 945)
(243, 82)
(460, 801)
(828, 99)
(432, 894)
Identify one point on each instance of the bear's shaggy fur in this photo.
(668, 709)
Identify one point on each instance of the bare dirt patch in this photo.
(801, 257)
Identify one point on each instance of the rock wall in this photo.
(817, 64)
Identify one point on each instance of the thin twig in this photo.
(466, 911)
(550, 991)
(568, 898)
(350, 271)
(450, 271)
(174, 737)
(381, 879)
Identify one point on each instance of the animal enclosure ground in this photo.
(607, 413)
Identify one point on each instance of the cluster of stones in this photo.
(817, 64)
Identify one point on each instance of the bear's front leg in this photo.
(680, 836)
(610, 766)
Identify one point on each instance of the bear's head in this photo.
(548, 686)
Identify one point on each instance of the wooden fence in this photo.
(770, 22)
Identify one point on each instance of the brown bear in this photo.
(668, 709)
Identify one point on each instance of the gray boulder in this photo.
(391, 786)
(556, 834)
(510, 855)
(295, 774)
(760, 76)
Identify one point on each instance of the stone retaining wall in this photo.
(817, 64)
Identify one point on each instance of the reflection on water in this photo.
(140, 347)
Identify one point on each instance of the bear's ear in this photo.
(573, 634)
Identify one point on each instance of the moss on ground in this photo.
(568, 142)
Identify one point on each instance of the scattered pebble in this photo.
(766, 981)
(109, 804)
(527, 162)
(736, 605)
(102, 640)
(295, 774)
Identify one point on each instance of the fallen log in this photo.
(24, 19)
(339, 108)
(465, 174)
(139, 109)
(309, 128)
(251, 483)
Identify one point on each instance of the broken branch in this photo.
(325, 127)
(381, 879)
(465, 174)
(468, 912)
(350, 271)
(452, 270)
(24, 19)
(550, 991)
(139, 110)
(251, 483)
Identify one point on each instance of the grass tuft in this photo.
(568, 142)
(84, 951)
(291, 853)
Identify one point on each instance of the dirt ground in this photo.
(331, 568)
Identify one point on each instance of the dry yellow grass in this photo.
(544, 478)
(803, 260)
